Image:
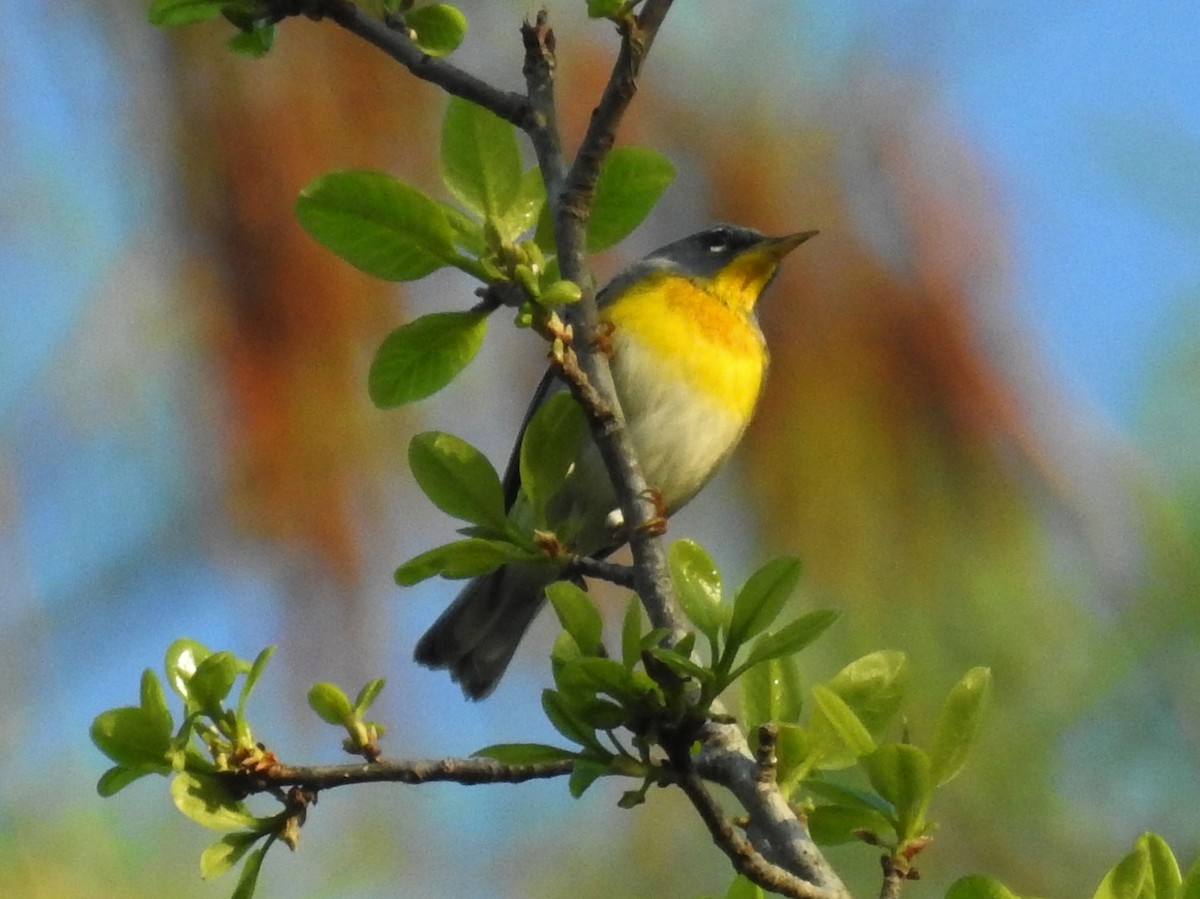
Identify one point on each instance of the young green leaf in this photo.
(742, 887)
(254, 42)
(180, 662)
(631, 633)
(382, 226)
(771, 691)
(438, 28)
(227, 852)
(1164, 869)
(761, 599)
(578, 615)
(832, 711)
(526, 206)
(1190, 888)
(550, 445)
(132, 737)
(1130, 878)
(458, 479)
(697, 584)
(330, 703)
(792, 637)
(899, 773)
(584, 775)
(605, 9)
(589, 674)
(481, 162)
(958, 724)
(213, 680)
(874, 686)
(832, 825)
(366, 696)
(118, 778)
(562, 717)
(209, 803)
(462, 559)
(251, 679)
(631, 181)
(173, 13)
(976, 886)
(248, 879)
(524, 753)
(154, 703)
(420, 358)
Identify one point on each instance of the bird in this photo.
(688, 362)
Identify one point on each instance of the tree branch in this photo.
(392, 39)
(406, 771)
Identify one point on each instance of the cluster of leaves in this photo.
(212, 746)
(658, 692)
(436, 28)
(1150, 871)
(460, 481)
(498, 231)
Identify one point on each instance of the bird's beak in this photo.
(778, 247)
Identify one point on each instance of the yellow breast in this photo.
(693, 336)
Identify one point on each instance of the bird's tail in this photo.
(475, 638)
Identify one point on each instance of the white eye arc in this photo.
(718, 241)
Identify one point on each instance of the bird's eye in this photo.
(718, 240)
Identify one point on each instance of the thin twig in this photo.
(399, 46)
(405, 771)
(893, 880)
(614, 573)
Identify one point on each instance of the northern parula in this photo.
(688, 361)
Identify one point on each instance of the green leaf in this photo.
(524, 753)
(900, 773)
(958, 724)
(132, 737)
(420, 358)
(439, 28)
(578, 616)
(248, 879)
(382, 226)
(976, 886)
(589, 675)
(1190, 888)
(606, 9)
(481, 162)
(252, 676)
(119, 777)
(458, 479)
(526, 206)
(154, 703)
(741, 887)
(468, 233)
(330, 703)
(832, 825)
(793, 747)
(771, 691)
(550, 446)
(562, 717)
(680, 663)
(1164, 869)
(462, 559)
(182, 658)
(874, 686)
(207, 802)
(173, 13)
(761, 599)
(697, 584)
(833, 711)
(254, 42)
(213, 680)
(227, 852)
(792, 637)
(1129, 878)
(631, 633)
(584, 775)
(631, 181)
(367, 695)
